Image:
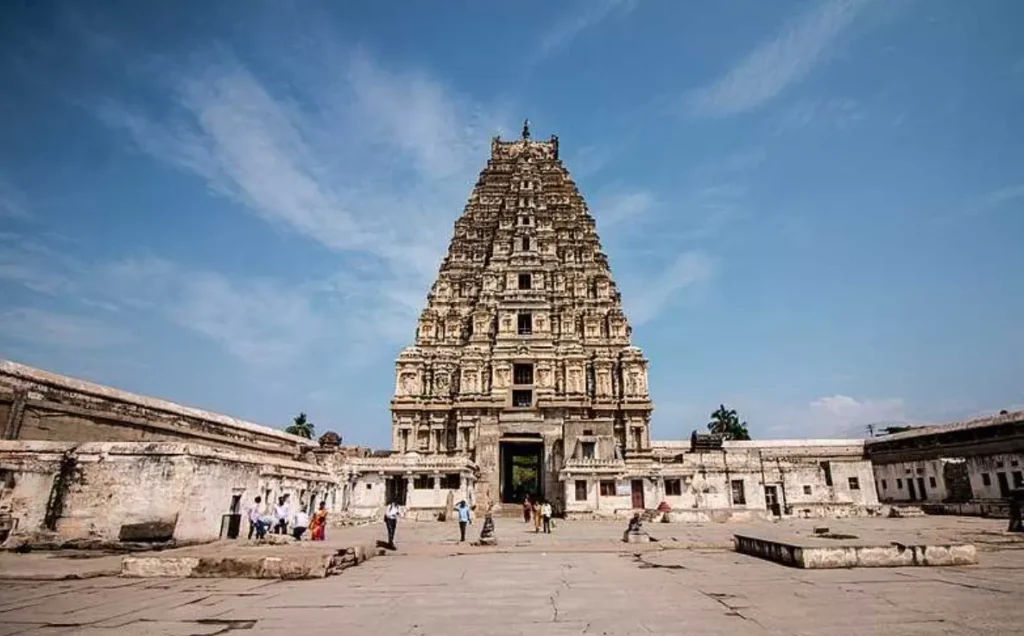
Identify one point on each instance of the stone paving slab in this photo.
(550, 588)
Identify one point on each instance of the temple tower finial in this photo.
(526, 129)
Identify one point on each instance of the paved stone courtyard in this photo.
(579, 580)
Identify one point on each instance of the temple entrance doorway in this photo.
(522, 468)
(395, 490)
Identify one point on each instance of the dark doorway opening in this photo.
(522, 470)
(771, 500)
(1004, 485)
(395, 490)
(920, 487)
(910, 487)
(637, 491)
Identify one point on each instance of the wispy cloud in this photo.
(833, 416)
(687, 270)
(776, 64)
(996, 199)
(591, 13)
(13, 204)
(51, 329)
(371, 163)
(615, 204)
(839, 113)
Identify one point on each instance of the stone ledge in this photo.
(816, 554)
(288, 567)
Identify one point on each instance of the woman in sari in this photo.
(318, 524)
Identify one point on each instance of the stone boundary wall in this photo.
(37, 404)
(62, 492)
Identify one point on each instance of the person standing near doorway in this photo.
(545, 511)
(527, 509)
(465, 518)
(391, 515)
(258, 524)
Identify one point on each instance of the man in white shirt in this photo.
(257, 522)
(281, 515)
(299, 524)
(391, 515)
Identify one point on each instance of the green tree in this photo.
(726, 423)
(301, 426)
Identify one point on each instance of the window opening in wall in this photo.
(673, 488)
(526, 243)
(885, 486)
(899, 484)
(581, 490)
(920, 471)
(986, 479)
(525, 281)
(854, 483)
(522, 398)
(1014, 463)
(807, 490)
(999, 464)
(607, 488)
(369, 486)
(739, 497)
(522, 373)
(931, 482)
(451, 482)
(589, 450)
(525, 324)
(423, 482)
(588, 431)
(405, 440)
(827, 468)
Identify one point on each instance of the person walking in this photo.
(545, 511)
(299, 524)
(281, 515)
(465, 518)
(391, 515)
(536, 515)
(527, 509)
(318, 526)
(258, 524)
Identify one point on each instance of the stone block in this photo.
(157, 567)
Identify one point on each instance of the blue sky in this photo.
(814, 210)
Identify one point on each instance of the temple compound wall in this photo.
(80, 461)
(968, 467)
(738, 480)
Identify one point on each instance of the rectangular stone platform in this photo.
(822, 553)
(285, 566)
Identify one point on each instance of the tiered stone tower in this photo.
(522, 358)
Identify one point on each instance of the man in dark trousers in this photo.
(465, 518)
(391, 515)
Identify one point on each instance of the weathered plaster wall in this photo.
(983, 473)
(88, 491)
(811, 478)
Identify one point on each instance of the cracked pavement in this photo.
(555, 585)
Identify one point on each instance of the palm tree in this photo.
(726, 423)
(301, 426)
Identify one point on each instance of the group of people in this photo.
(281, 519)
(540, 511)
(394, 511)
